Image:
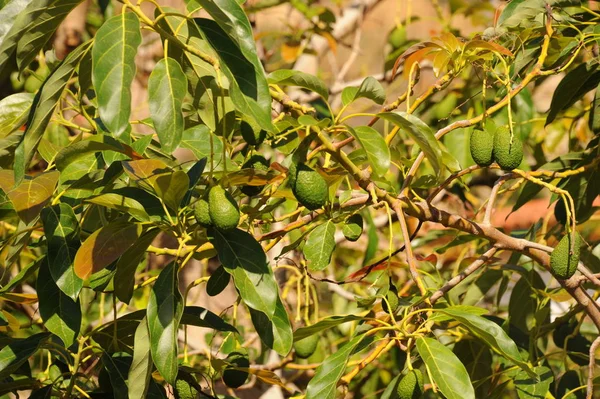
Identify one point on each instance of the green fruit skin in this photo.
(562, 263)
(183, 390)
(310, 189)
(305, 347)
(202, 214)
(482, 146)
(223, 209)
(17, 84)
(392, 298)
(250, 135)
(397, 36)
(508, 156)
(411, 386)
(257, 162)
(236, 378)
(32, 84)
(353, 227)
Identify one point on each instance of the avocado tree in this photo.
(344, 221)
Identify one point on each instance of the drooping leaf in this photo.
(243, 257)
(172, 187)
(128, 263)
(323, 325)
(324, 384)
(378, 152)
(62, 234)
(49, 16)
(15, 109)
(113, 55)
(420, 133)
(167, 86)
(369, 88)
(448, 373)
(29, 197)
(43, 107)
(60, 313)
(15, 17)
(275, 333)
(104, 246)
(164, 311)
(13, 355)
(231, 37)
(141, 366)
(299, 78)
(320, 245)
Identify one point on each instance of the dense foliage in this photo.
(363, 263)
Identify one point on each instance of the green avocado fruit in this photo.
(223, 209)
(256, 162)
(508, 155)
(252, 136)
(563, 263)
(310, 189)
(411, 385)
(32, 84)
(201, 213)
(353, 227)
(305, 347)
(16, 82)
(482, 146)
(236, 378)
(397, 36)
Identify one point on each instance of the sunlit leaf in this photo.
(378, 152)
(275, 333)
(29, 197)
(320, 245)
(13, 355)
(15, 109)
(298, 78)
(370, 88)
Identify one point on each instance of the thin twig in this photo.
(590, 381)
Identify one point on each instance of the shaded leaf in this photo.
(145, 171)
(13, 355)
(537, 387)
(218, 281)
(167, 86)
(275, 333)
(164, 312)
(378, 152)
(320, 245)
(194, 176)
(22, 276)
(113, 57)
(369, 88)
(447, 371)
(62, 234)
(60, 313)
(172, 187)
(104, 246)
(298, 78)
(116, 365)
(15, 17)
(243, 257)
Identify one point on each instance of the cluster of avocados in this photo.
(305, 347)
(30, 82)
(498, 146)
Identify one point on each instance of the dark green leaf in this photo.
(117, 366)
(167, 86)
(113, 54)
(128, 263)
(60, 313)
(43, 108)
(243, 258)
(15, 109)
(324, 324)
(201, 317)
(62, 234)
(378, 152)
(447, 371)
(218, 281)
(13, 355)
(51, 13)
(194, 176)
(529, 387)
(275, 333)
(22, 276)
(299, 78)
(164, 314)
(320, 245)
(523, 304)
(141, 366)
(370, 88)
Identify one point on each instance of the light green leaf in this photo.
(369, 88)
(378, 152)
(320, 245)
(275, 333)
(61, 314)
(128, 263)
(324, 384)
(43, 107)
(448, 373)
(301, 79)
(164, 313)
(167, 86)
(15, 17)
(198, 139)
(323, 325)
(95, 144)
(141, 365)
(15, 109)
(51, 13)
(13, 355)
(243, 257)
(62, 234)
(420, 133)
(172, 187)
(113, 55)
